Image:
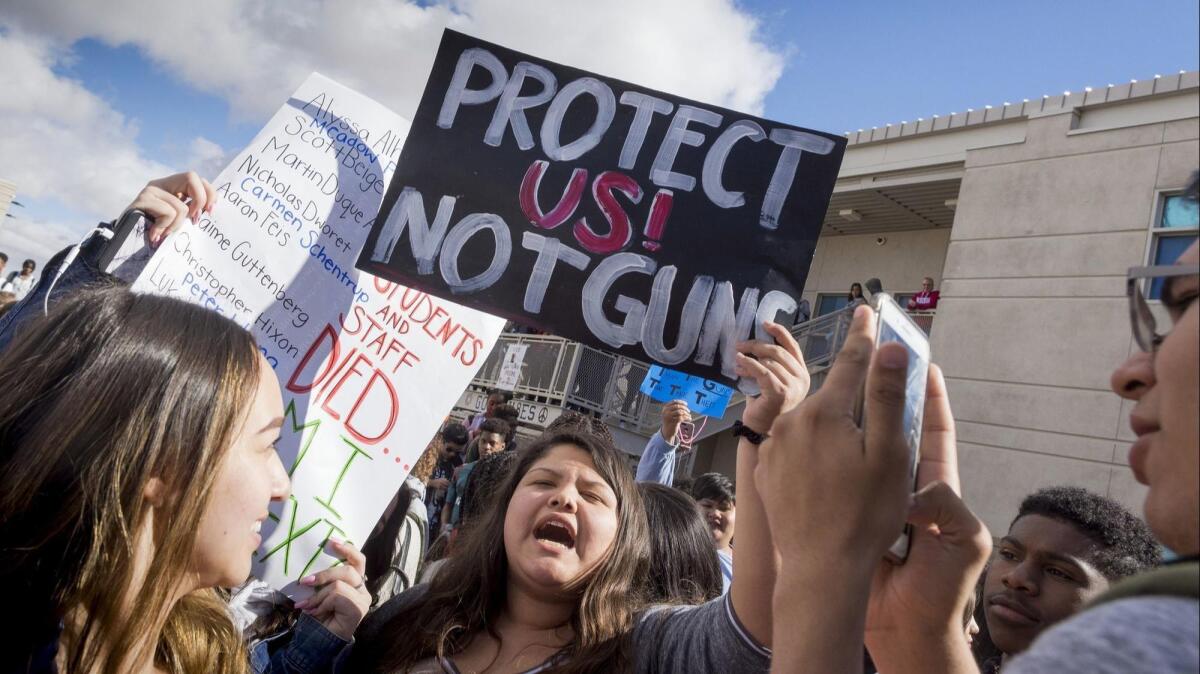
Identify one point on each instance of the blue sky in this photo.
(845, 66)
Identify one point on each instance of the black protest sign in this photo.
(615, 215)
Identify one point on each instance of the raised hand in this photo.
(914, 618)
(781, 375)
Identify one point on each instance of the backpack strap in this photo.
(1174, 580)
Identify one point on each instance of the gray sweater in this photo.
(695, 639)
(1140, 634)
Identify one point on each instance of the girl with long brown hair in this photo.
(548, 578)
(137, 463)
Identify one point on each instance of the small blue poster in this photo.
(701, 395)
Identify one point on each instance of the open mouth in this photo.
(555, 533)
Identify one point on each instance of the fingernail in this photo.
(308, 580)
(893, 358)
(301, 604)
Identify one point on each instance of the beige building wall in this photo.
(1033, 316)
(1056, 201)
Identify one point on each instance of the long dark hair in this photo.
(850, 295)
(467, 595)
(683, 563)
(108, 391)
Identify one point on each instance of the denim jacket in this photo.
(306, 648)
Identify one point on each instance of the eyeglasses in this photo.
(1142, 319)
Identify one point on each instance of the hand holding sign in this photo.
(163, 201)
(341, 598)
(780, 372)
(673, 414)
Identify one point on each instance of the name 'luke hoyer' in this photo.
(712, 320)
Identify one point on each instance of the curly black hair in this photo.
(485, 480)
(1125, 544)
(575, 422)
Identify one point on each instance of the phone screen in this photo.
(896, 326)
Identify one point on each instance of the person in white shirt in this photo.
(20, 283)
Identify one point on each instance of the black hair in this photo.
(576, 422)
(489, 474)
(455, 433)
(683, 562)
(850, 293)
(494, 425)
(4, 257)
(683, 484)
(1192, 191)
(1125, 544)
(509, 415)
(380, 546)
(31, 263)
(714, 486)
(504, 396)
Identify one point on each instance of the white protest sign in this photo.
(510, 369)
(368, 368)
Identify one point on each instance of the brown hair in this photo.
(423, 468)
(111, 390)
(467, 595)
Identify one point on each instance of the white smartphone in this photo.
(894, 325)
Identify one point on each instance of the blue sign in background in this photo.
(702, 396)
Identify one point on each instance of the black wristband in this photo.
(742, 430)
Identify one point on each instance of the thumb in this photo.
(937, 505)
(885, 396)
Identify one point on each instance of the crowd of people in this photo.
(138, 465)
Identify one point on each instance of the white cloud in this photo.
(37, 240)
(206, 157)
(255, 53)
(65, 149)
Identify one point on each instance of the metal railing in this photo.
(559, 374)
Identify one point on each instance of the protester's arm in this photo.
(914, 621)
(783, 379)
(657, 463)
(836, 497)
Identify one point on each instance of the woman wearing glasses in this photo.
(1149, 623)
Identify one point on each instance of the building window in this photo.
(827, 304)
(1176, 228)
